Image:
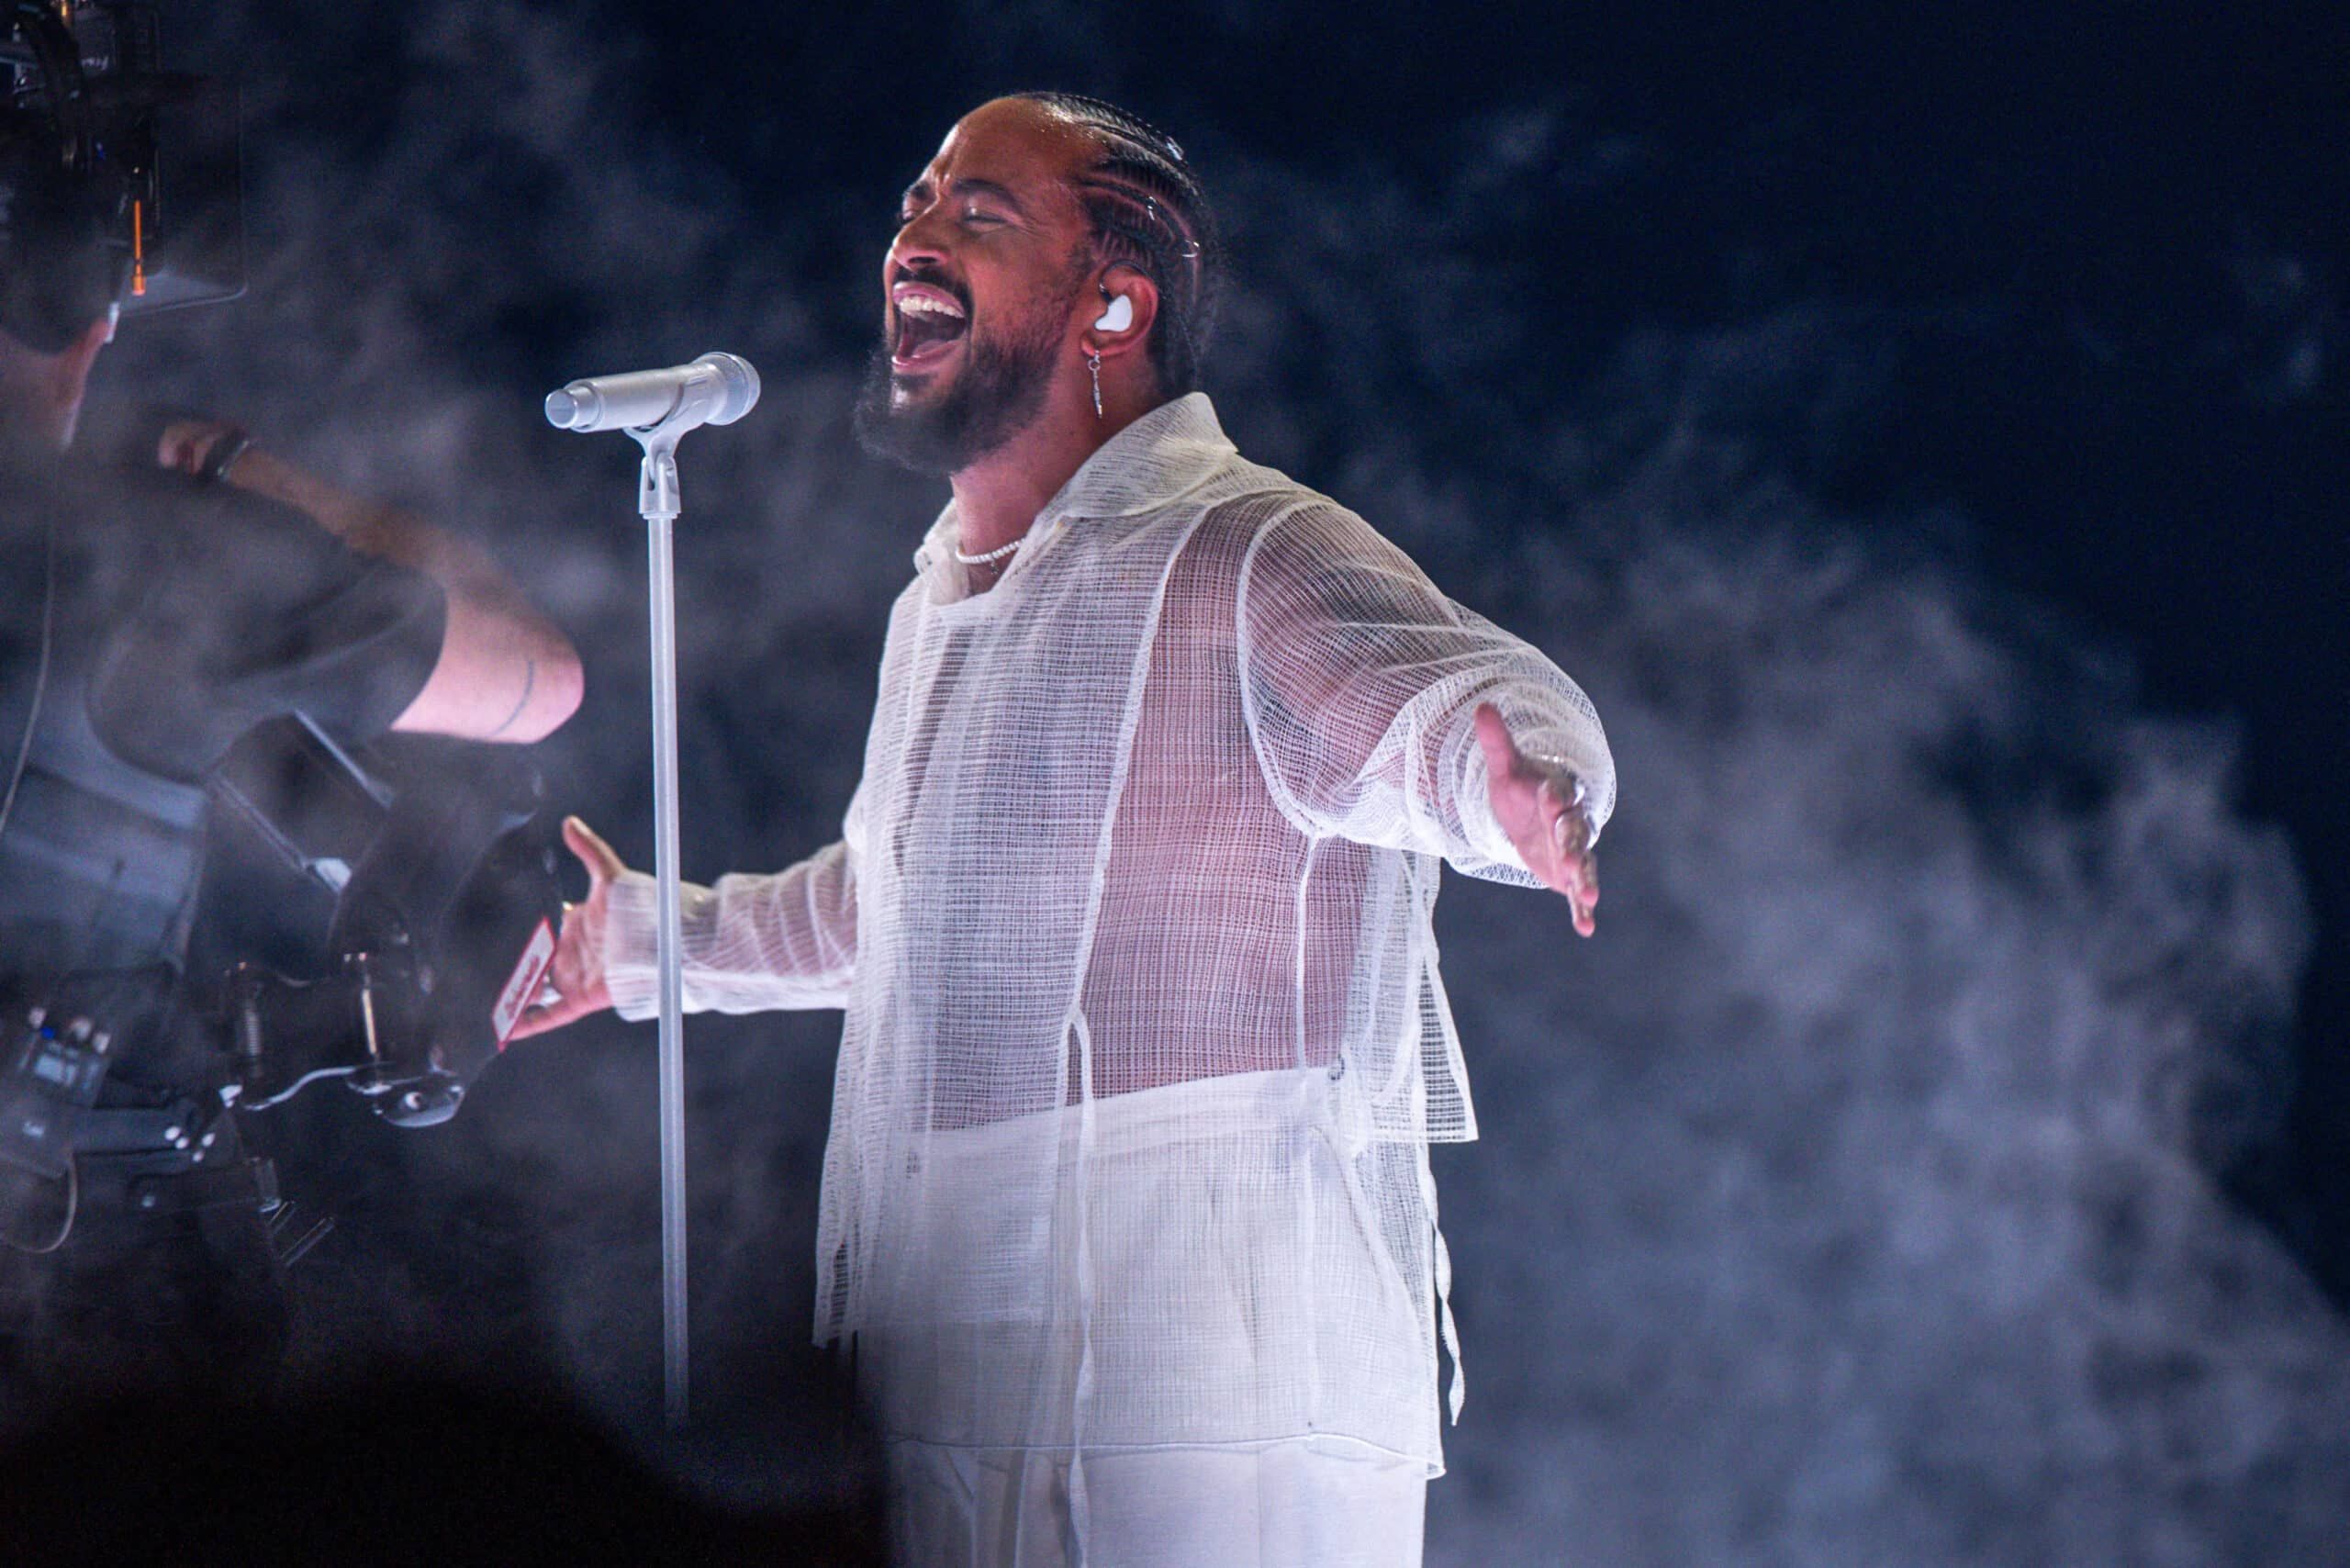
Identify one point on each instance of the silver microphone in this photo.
(717, 389)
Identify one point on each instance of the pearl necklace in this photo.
(990, 557)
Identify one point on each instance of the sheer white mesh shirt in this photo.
(1131, 917)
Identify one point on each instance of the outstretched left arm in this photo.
(1383, 712)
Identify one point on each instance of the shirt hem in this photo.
(1321, 1439)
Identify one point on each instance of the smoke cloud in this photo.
(1846, 1202)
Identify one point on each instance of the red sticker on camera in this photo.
(529, 972)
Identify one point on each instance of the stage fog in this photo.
(1850, 1200)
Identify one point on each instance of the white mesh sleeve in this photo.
(1360, 682)
(751, 943)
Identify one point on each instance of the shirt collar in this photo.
(1149, 464)
(1162, 456)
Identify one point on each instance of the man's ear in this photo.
(1127, 305)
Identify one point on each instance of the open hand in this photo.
(1539, 805)
(575, 985)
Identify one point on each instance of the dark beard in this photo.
(998, 392)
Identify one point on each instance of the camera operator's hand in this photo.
(575, 982)
(188, 446)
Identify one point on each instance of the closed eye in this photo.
(1004, 207)
(973, 215)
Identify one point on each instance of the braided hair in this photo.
(1148, 210)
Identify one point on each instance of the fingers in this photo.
(1564, 817)
(1583, 893)
(598, 857)
(554, 1015)
(181, 447)
(1570, 868)
(1493, 738)
(1579, 880)
(186, 443)
(574, 984)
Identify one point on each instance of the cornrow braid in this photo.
(1148, 210)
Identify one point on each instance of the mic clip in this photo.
(656, 484)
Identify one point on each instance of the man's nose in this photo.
(918, 244)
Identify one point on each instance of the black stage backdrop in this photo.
(1925, 441)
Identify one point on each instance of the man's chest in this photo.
(1029, 731)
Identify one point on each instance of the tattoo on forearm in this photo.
(529, 682)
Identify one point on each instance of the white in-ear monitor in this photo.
(1119, 316)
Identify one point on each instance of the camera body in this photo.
(435, 868)
(120, 184)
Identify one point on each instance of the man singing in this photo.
(1127, 1201)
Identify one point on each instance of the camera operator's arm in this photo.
(505, 672)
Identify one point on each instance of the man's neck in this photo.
(41, 394)
(33, 432)
(999, 497)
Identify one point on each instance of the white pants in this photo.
(1295, 1504)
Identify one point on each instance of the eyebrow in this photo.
(968, 185)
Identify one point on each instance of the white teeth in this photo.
(928, 305)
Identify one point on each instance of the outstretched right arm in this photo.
(751, 943)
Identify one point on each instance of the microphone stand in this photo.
(719, 388)
(658, 501)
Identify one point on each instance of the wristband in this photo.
(224, 452)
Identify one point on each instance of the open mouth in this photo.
(929, 322)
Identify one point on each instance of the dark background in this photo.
(1924, 437)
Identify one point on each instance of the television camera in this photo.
(128, 175)
(411, 919)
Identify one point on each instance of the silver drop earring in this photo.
(1093, 363)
